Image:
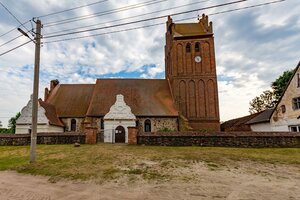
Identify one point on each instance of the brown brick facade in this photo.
(193, 84)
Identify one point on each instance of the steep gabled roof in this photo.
(51, 114)
(238, 124)
(287, 86)
(266, 115)
(71, 100)
(262, 117)
(146, 97)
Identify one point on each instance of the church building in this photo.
(187, 99)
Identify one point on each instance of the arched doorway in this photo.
(120, 135)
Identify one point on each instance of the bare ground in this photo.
(250, 180)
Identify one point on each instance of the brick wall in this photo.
(42, 138)
(236, 139)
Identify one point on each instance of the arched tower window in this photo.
(147, 126)
(197, 47)
(188, 48)
(73, 125)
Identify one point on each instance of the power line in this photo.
(162, 23)
(129, 17)
(148, 19)
(75, 8)
(15, 48)
(13, 15)
(14, 28)
(9, 41)
(221, 12)
(247, 7)
(102, 13)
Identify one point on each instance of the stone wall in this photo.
(67, 122)
(158, 123)
(220, 139)
(42, 138)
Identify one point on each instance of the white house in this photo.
(286, 115)
(47, 119)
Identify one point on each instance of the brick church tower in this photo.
(191, 72)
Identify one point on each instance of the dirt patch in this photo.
(198, 180)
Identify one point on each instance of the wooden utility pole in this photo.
(35, 91)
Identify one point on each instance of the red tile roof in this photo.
(238, 124)
(146, 97)
(71, 100)
(51, 114)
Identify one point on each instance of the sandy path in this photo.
(278, 183)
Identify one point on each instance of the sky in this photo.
(253, 46)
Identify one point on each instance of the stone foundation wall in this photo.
(158, 123)
(237, 139)
(42, 138)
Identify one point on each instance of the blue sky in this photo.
(253, 47)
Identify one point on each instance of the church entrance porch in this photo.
(117, 121)
(120, 134)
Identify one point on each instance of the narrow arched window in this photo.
(73, 125)
(197, 47)
(101, 124)
(147, 126)
(188, 48)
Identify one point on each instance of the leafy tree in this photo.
(0, 124)
(281, 82)
(269, 98)
(266, 100)
(12, 122)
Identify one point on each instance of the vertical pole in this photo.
(35, 91)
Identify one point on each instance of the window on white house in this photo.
(296, 103)
(283, 109)
(298, 80)
(295, 128)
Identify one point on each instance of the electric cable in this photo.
(70, 9)
(102, 13)
(140, 15)
(148, 19)
(13, 15)
(146, 26)
(15, 48)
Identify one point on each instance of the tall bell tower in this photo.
(191, 72)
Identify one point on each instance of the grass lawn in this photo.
(107, 162)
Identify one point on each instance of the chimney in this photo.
(46, 94)
(53, 84)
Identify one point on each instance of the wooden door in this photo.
(120, 135)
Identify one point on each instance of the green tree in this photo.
(12, 122)
(281, 82)
(269, 98)
(260, 103)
